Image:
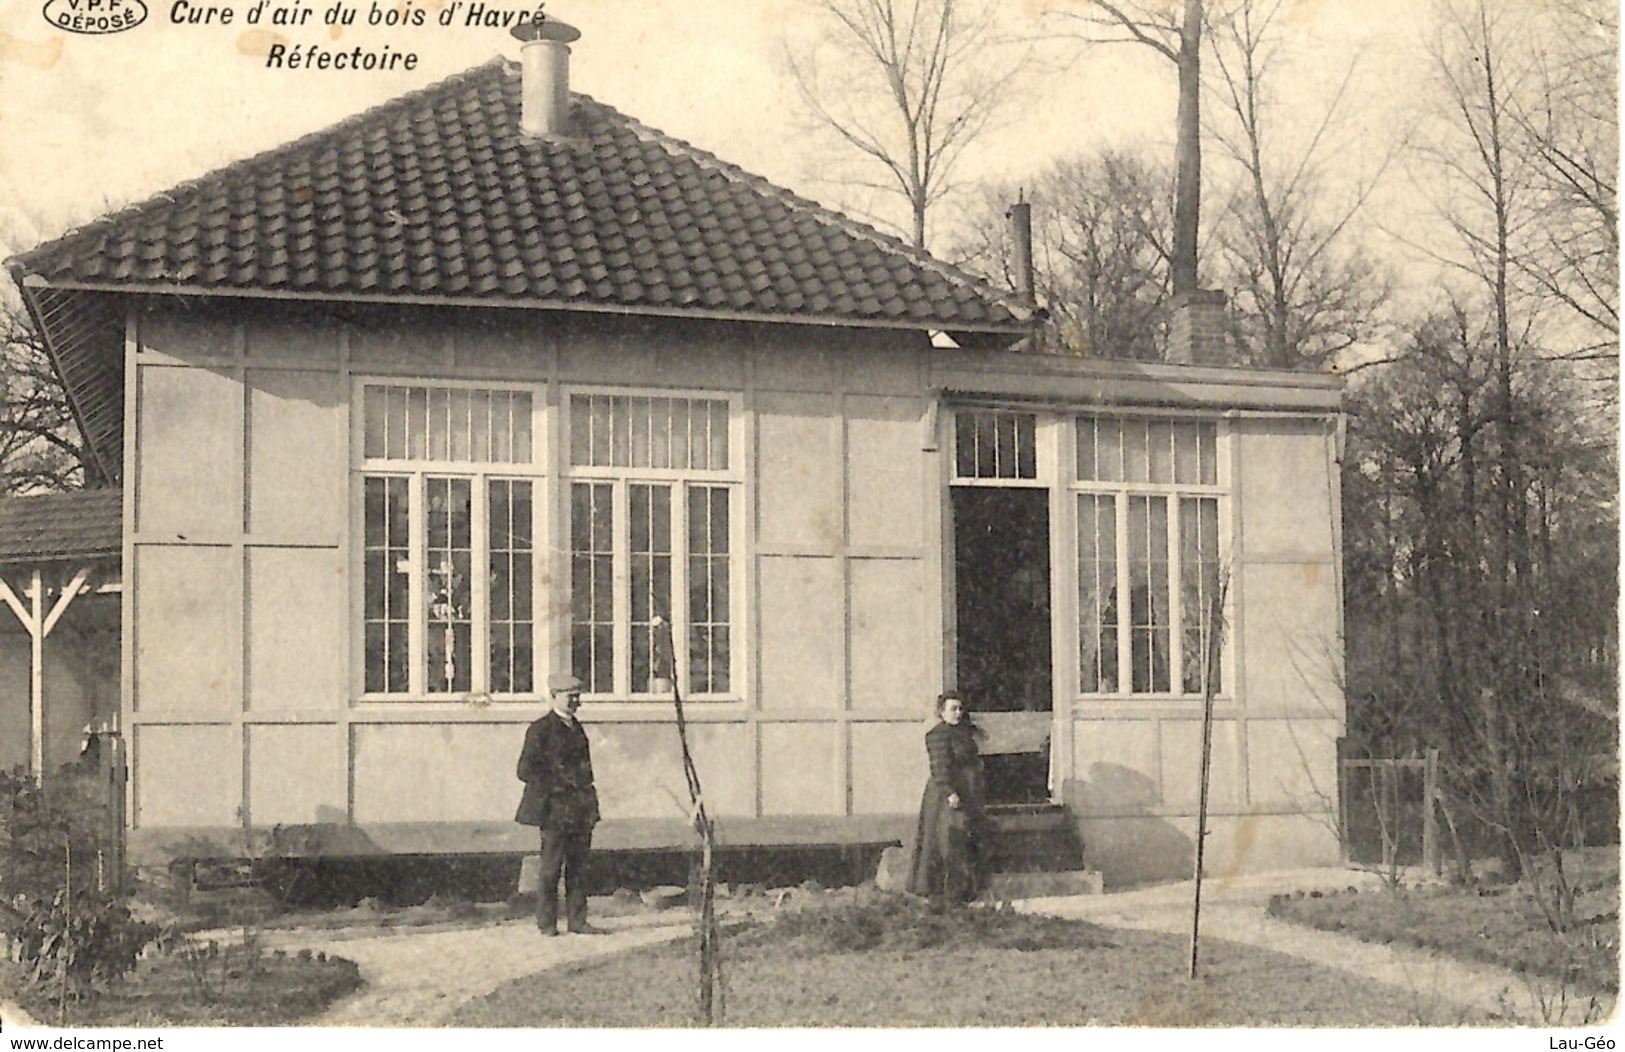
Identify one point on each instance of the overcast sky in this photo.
(90, 123)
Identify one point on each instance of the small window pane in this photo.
(375, 418)
(447, 606)
(1136, 452)
(509, 515)
(1187, 459)
(718, 454)
(1097, 593)
(480, 432)
(1148, 593)
(1210, 455)
(651, 565)
(708, 606)
(1109, 450)
(523, 449)
(385, 584)
(1162, 452)
(965, 446)
(592, 594)
(1086, 449)
(682, 426)
(1198, 587)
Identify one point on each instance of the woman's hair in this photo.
(965, 720)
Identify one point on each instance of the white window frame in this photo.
(480, 475)
(1044, 446)
(1220, 490)
(621, 478)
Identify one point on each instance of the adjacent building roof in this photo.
(47, 527)
(438, 197)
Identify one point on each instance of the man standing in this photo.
(556, 767)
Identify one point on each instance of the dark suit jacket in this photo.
(556, 767)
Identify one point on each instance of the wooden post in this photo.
(1430, 826)
(38, 623)
(1343, 834)
(36, 674)
(1212, 649)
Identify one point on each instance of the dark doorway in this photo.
(1002, 614)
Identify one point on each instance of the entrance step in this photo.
(1033, 838)
(1005, 886)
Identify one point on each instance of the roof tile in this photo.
(50, 526)
(438, 194)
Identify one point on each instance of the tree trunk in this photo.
(1188, 152)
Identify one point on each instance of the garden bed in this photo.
(200, 987)
(1503, 925)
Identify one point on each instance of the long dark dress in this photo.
(946, 864)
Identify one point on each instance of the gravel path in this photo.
(419, 978)
(1439, 990)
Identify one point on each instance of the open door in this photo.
(1002, 616)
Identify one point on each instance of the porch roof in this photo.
(54, 527)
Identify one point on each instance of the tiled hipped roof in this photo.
(438, 197)
(49, 526)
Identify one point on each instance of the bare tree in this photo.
(1430, 633)
(1500, 500)
(1302, 291)
(40, 444)
(1173, 29)
(909, 84)
(1479, 75)
(1569, 125)
(1102, 230)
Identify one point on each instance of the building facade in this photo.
(414, 412)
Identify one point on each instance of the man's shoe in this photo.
(548, 930)
(583, 928)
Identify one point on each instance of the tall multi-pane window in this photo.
(653, 484)
(1147, 493)
(449, 540)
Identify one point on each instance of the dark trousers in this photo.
(564, 853)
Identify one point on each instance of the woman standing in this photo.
(946, 865)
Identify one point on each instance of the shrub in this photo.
(49, 831)
(79, 938)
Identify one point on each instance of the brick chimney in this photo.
(1020, 216)
(1199, 332)
(544, 59)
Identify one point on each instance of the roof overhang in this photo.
(1014, 331)
(1072, 383)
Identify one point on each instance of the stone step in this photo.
(1033, 838)
(1035, 885)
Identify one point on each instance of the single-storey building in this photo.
(470, 388)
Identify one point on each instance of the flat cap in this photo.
(563, 683)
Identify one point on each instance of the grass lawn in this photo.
(1502, 925)
(885, 961)
(169, 989)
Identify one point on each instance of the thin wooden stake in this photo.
(709, 933)
(1212, 647)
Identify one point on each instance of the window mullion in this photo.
(417, 602)
(1176, 611)
(621, 576)
(1125, 602)
(681, 545)
(479, 600)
